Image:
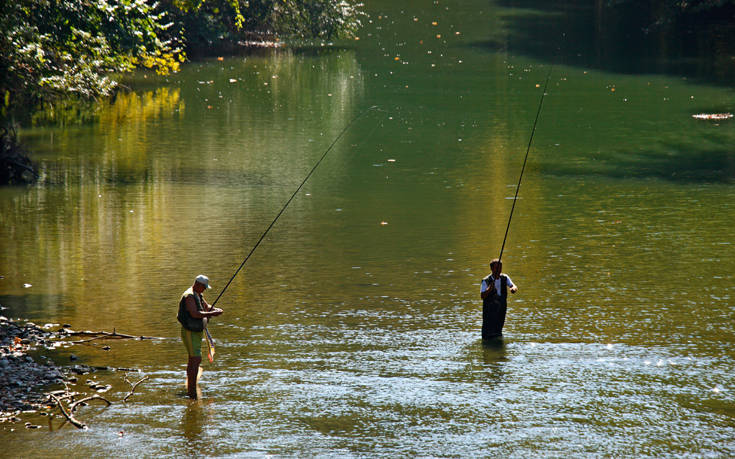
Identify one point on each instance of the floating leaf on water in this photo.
(233, 80)
(712, 116)
(434, 23)
(383, 223)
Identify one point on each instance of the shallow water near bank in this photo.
(354, 328)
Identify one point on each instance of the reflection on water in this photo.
(354, 328)
(196, 419)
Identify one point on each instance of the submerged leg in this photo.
(493, 318)
(192, 376)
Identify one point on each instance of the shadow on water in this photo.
(622, 37)
(31, 305)
(494, 356)
(196, 416)
(676, 163)
(493, 351)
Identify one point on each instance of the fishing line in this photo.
(262, 236)
(530, 140)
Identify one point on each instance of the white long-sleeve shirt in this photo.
(485, 286)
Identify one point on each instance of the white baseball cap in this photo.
(204, 280)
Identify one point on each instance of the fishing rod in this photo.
(262, 236)
(530, 140)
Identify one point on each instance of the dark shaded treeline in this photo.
(625, 36)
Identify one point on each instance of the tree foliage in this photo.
(52, 48)
(230, 23)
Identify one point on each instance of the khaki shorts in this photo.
(192, 341)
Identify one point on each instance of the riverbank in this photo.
(15, 166)
(23, 377)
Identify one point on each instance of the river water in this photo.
(354, 329)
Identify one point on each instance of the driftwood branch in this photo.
(87, 340)
(23, 166)
(116, 369)
(107, 335)
(63, 394)
(68, 415)
(74, 405)
(133, 388)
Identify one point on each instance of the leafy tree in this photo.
(52, 48)
(58, 47)
(217, 23)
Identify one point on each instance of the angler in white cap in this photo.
(193, 310)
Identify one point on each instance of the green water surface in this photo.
(354, 329)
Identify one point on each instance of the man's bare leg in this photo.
(192, 373)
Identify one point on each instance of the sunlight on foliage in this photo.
(57, 48)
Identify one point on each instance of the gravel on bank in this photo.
(23, 378)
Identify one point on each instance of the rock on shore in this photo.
(21, 377)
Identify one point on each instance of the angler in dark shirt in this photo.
(494, 294)
(193, 311)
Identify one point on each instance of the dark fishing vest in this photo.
(494, 307)
(187, 321)
(503, 288)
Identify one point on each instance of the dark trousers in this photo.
(493, 316)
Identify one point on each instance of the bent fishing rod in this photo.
(528, 149)
(283, 209)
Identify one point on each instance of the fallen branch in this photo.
(104, 334)
(87, 340)
(116, 369)
(69, 416)
(23, 166)
(74, 405)
(133, 388)
(63, 394)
